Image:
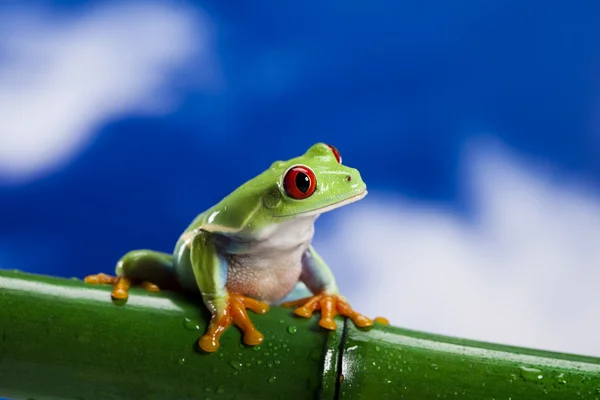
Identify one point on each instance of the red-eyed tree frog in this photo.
(254, 248)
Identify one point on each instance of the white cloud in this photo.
(63, 77)
(525, 271)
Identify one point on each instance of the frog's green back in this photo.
(233, 212)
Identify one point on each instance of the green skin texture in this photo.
(256, 234)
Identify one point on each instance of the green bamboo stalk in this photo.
(63, 339)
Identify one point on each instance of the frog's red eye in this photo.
(299, 182)
(336, 153)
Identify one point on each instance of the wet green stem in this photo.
(64, 339)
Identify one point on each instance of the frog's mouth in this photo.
(329, 207)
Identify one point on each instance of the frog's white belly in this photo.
(268, 278)
(270, 266)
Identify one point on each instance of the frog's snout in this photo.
(353, 179)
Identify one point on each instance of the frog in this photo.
(253, 249)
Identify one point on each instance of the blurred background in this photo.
(475, 124)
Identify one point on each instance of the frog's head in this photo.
(305, 186)
(311, 184)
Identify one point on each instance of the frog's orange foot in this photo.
(330, 306)
(120, 284)
(234, 313)
(382, 320)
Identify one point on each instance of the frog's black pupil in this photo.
(302, 182)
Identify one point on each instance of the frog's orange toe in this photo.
(235, 313)
(209, 344)
(218, 324)
(308, 305)
(328, 323)
(99, 279)
(253, 338)
(238, 305)
(302, 312)
(359, 320)
(149, 286)
(382, 320)
(296, 303)
(119, 294)
(256, 306)
(121, 288)
(362, 322)
(330, 306)
(120, 284)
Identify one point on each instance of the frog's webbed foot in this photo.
(235, 313)
(120, 284)
(330, 306)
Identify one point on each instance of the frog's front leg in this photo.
(150, 269)
(317, 276)
(210, 272)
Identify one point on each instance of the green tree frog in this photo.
(254, 248)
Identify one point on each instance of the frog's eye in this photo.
(336, 153)
(299, 182)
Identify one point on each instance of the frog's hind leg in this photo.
(149, 269)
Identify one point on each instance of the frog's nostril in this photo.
(348, 178)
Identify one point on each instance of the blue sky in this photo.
(475, 125)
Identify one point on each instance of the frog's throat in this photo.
(330, 207)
